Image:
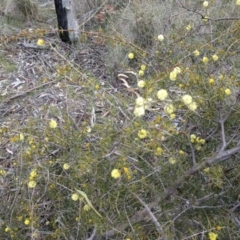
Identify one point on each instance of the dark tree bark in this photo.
(67, 23)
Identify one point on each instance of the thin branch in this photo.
(154, 219)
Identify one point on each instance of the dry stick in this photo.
(154, 219)
(219, 157)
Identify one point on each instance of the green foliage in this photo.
(151, 154)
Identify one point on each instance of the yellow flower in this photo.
(238, 2)
(193, 138)
(40, 42)
(206, 170)
(21, 137)
(141, 84)
(218, 228)
(211, 81)
(160, 37)
(215, 57)
(32, 184)
(192, 106)
(196, 53)
(173, 75)
(52, 123)
(142, 133)
(177, 70)
(205, 60)
(131, 56)
(116, 173)
(7, 229)
(169, 109)
(141, 73)
(188, 27)
(221, 76)
(27, 222)
(140, 102)
(66, 166)
(143, 67)
(88, 129)
(86, 207)
(75, 197)
(212, 236)
(2, 172)
(227, 91)
(172, 116)
(139, 111)
(187, 99)
(181, 152)
(172, 160)
(162, 94)
(33, 173)
(205, 3)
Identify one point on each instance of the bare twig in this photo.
(154, 219)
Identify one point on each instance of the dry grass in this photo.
(67, 121)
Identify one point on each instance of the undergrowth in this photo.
(153, 153)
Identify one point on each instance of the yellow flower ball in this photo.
(172, 160)
(131, 56)
(181, 152)
(215, 57)
(211, 81)
(187, 99)
(142, 133)
(33, 173)
(188, 27)
(227, 91)
(140, 101)
(177, 70)
(173, 75)
(205, 60)
(141, 84)
(40, 42)
(218, 228)
(143, 67)
(75, 197)
(212, 236)
(141, 73)
(160, 37)
(196, 53)
(116, 173)
(205, 3)
(192, 106)
(172, 116)
(162, 94)
(86, 207)
(27, 222)
(66, 166)
(139, 111)
(52, 123)
(193, 137)
(169, 109)
(21, 137)
(238, 2)
(32, 184)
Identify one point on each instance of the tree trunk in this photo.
(67, 22)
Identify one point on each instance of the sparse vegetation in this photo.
(131, 134)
